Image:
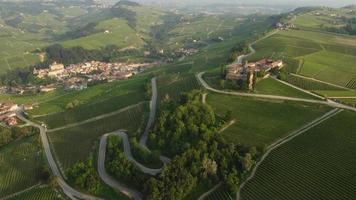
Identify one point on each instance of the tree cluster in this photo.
(120, 167)
(15, 133)
(190, 133)
(84, 175)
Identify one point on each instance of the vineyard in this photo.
(308, 84)
(20, 164)
(39, 193)
(219, 194)
(260, 123)
(87, 111)
(352, 84)
(170, 91)
(320, 164)
(73, 144)
(274, 87)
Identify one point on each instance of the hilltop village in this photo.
(247, 72)
(77, 76)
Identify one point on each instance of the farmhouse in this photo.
(247, 71)
(8, 113)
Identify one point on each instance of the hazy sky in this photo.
(334, 3)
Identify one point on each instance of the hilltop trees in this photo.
(188, 131)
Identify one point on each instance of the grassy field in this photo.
(273, 87)
(260, 123)
(73, 144)
(20, 164)
(120, 34)
(57, 102)
(40, 193)
(319, 164)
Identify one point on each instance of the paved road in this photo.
(151, 119)
(286, 139)
(275, 97)
(68, 190)
(94, 118)
(106, 177)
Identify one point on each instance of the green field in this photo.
(219, 194)
(120, 34)
(309, 84)
(262, 122)
(171, 87)
(20, 164)
(322, 55)
(58, 101)
(326, 66)
(273, 87)
(74, 144)
(319, 164)
(87, 111)
(39, 193)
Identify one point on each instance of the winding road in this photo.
(127, 151)
(68, 190)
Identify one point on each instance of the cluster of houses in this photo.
(246, 72)
(8, 113)
(77, 76)
(284, 26)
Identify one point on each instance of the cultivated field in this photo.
(40, 193)
(273, 87)
(73, 144)
(20, 164)
(322, 55)
(262, 122)
(88, 111)
(309, 84)
(320, 164)
(219, 194)
(119, 34)
(170, 87)
(58, 101)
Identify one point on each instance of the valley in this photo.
(229, 106)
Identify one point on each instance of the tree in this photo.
(232, 181)
(247, 162)
(209, 166)
(222, 84)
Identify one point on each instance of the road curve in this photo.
(68, 190)
(275, 97)
(286, 139)
(133, 194)
(151, 119)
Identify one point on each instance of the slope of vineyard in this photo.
(73, 144)
(320, 164)
(219, 194)
(20, 164)
(308, 84)
(39, 193)
(171, 87)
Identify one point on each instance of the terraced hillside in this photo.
(316, 165)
